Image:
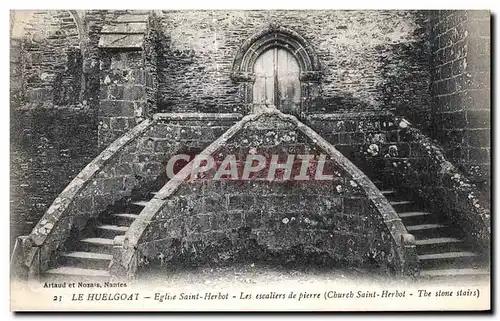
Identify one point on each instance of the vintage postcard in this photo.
(250, 160)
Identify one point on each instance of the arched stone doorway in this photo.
(277, 66)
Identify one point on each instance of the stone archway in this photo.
(277, 36)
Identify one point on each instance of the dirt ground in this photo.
(258, 273)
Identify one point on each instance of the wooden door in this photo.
(277, 81)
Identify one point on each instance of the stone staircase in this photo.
(442, 251)
(441, 248)
(89, 256)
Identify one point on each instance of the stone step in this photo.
(89, 255)
(440, 245)
(65, 273)
(123, 219)
(437, 240)
(403, 205)
(153, 194)
(110, 231)
(96, 244)
(416, 217)
(454, 272)
(390, 194)
(446, 255)
(141, 203)
(99, 241)
(423, 231)
(137, 206)
(448, 260)
(130, 216)
(86, 260)
(413, 214)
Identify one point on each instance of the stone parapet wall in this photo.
(346, 220)
(48, 147)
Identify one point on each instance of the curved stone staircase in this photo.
(441, 247)
(89, 256)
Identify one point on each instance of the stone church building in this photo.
(398, 101)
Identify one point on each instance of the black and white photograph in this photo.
(250, 160)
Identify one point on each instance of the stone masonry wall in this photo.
(53, 114)
(52, 58)
(48, 148)
(217, 221)
(60, 58)
(461, 89)
(352, 133)
(371, 60)
(92, 22)
(16, 73)
(122, 96)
